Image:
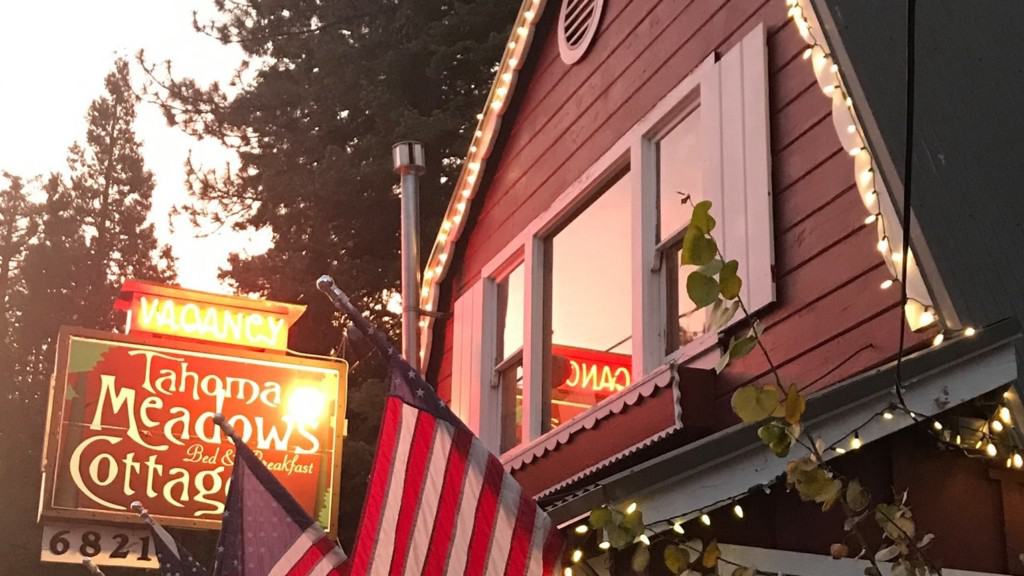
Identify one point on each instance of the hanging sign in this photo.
(229, 320)
(131, 418)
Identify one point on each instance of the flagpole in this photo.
(92, 568)
(341, 301)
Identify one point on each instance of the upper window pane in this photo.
(510, 313)
(590, 308)
(679, 174)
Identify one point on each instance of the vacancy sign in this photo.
(131, 418)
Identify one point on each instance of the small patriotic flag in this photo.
(174, 559)
(438, 503)
(265, 532)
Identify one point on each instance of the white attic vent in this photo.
(577, 26)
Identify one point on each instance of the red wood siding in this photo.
(831, 319)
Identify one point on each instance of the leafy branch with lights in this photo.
(714, 284)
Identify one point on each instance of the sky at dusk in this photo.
(57, 53)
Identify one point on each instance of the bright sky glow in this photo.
(56, 54)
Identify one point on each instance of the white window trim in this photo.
(636, 150)
(648, 337)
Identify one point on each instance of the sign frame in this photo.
(54, 417)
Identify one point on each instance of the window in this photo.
(680, 186)
(589, 343)
(508, 368)
(590, 297)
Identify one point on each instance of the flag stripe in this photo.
(420, 450)
(443, 533)
(430, 501)
(328, 563)
(522, 537)
(540, 533)
(298, 549)
(501, 541)
(312, 557)
(459, 554)
(393, 503)
(486, 514)
(552, 553)
(377, 489)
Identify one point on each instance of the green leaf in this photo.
(813, 483)
(634, 523)
(641, 558)
(712, 268)
(753, 404)
(619, 538)
(721, 313)
(676, 558)
(723, 362)
(701, 218)
(793, 406)
(857, 498)
(895, 520)
(742, 347)
(729, 281)
(711, 554)
(774, 435)
(698, 249)
(702, 289)
(600, 517)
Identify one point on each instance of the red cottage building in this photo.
(563, 333)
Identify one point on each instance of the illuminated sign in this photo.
(132, 419)
(195, 315)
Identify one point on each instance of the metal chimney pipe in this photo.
(409, 164)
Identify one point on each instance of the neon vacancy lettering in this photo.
(597, 377)
(210, 322)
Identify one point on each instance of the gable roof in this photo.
(848, 123)
(480, 147)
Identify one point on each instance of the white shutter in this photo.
(473, 399)
(737, 93)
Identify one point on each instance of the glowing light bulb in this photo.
(996, 426)
(855, 442)
(582, 529)
(937, 425)
(969, 331)
(678, 528)
(604, 545)
(631, 508)
(855, 150)
(738, 511)
(938, 339)
(870, 219)
(871, 197)
(1004, 415)
(927, 317)
(840, 450)
(991, 450)
(887, 415)
(567, 571)
(851, 129)
(807, 53)
(705, 519)
(886, 284)
(1018, 461)
(577, 555)
(643, 539)
(958, 439)
(305, 405)
(897, 257)
(1009, 462)
(883, 244)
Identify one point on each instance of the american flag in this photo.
(438, 502)
(265, 532)
(174, 559)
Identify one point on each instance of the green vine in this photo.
(714, 283)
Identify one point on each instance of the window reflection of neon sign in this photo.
(592, 372)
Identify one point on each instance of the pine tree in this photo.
(338, 82)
